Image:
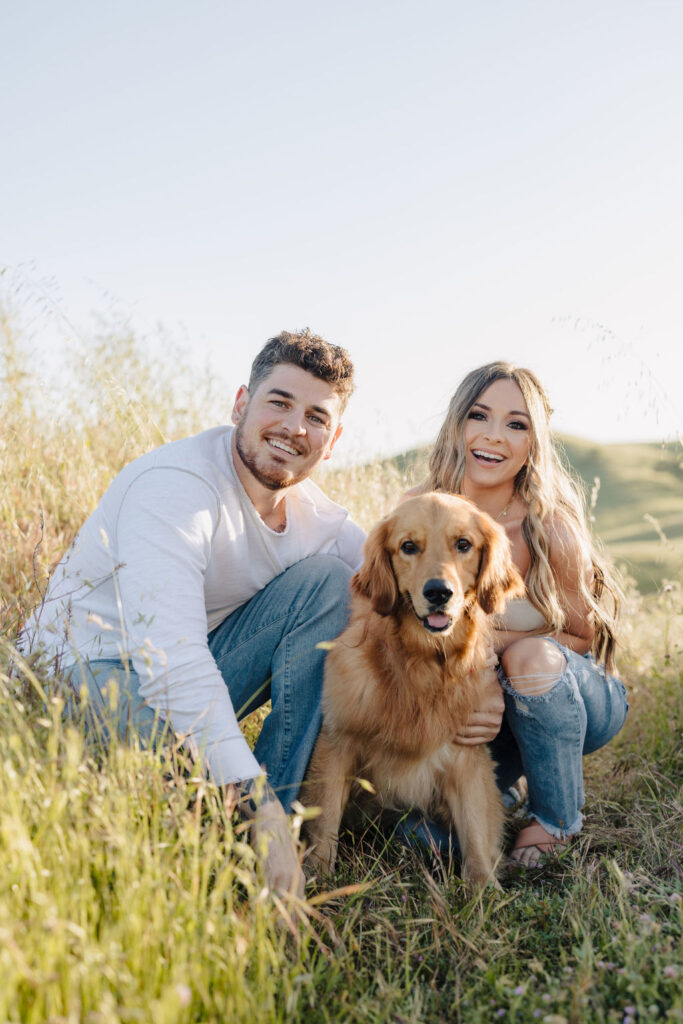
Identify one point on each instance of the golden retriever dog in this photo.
(403, 678)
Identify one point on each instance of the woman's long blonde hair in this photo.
(549, 492)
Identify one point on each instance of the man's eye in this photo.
(316, 420)
(409, 547)
(463, 544)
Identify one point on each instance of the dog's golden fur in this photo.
(402, 679)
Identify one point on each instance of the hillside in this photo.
(639, 507)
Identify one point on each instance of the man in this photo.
(208, 576)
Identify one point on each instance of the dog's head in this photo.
(437, 554)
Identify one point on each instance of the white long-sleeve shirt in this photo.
(174, 546)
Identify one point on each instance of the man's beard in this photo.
(273, 480)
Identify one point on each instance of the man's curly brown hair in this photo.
(310, 352)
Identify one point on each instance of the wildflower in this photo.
(519, 991)
(184, 993)
(671, 971)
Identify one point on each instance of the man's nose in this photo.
(295, 422)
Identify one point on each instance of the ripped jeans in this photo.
(545, 737)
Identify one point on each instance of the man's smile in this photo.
(283, 446)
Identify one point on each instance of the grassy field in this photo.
(127, 894)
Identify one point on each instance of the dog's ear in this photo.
(375, 579)
(498, 580)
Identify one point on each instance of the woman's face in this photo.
(497, 435)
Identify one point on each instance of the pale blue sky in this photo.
(430, 184)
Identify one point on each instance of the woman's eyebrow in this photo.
(512, 412)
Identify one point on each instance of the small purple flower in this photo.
(519, 991)
(630, 1010)
(628, 1019)
(671, 971)
(545, 998)
(537, 1013)
(500, 1013)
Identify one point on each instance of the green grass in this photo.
(128, 894)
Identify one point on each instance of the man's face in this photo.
(287, 426)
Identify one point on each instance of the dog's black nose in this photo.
(437, 592)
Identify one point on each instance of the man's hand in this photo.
(271, 838)
(484, 723)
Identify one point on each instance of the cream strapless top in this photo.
(520, 615)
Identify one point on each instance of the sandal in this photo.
(533, 844)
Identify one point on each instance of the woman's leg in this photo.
(559, 705)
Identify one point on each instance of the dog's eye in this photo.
(409, 547)
(463, 544)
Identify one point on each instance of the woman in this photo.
(495, 448)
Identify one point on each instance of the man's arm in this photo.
(163, 541)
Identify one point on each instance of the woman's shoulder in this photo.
(414, 492)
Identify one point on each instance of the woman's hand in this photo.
(484, 723)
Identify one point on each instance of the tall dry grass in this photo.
(127, 894)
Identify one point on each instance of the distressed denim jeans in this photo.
(266, 650)
(545, 738)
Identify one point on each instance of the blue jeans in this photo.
(545, 738)
(266, 650)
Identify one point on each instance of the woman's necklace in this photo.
(502, 514)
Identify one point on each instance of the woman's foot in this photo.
(533, 844)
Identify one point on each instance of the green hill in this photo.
(639, 505)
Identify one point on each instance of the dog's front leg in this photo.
(477, 811)
(327, 786)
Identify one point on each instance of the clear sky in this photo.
(431, 184)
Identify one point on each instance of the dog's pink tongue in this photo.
(437, 621)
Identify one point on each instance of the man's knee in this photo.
(322, 574)
(319, 588)
(533, 664)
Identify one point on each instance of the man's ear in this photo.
(335, 437)
(241, 402)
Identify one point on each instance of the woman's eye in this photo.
(409, 547)
(463, 544)
(474, 415)
(518, 425)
